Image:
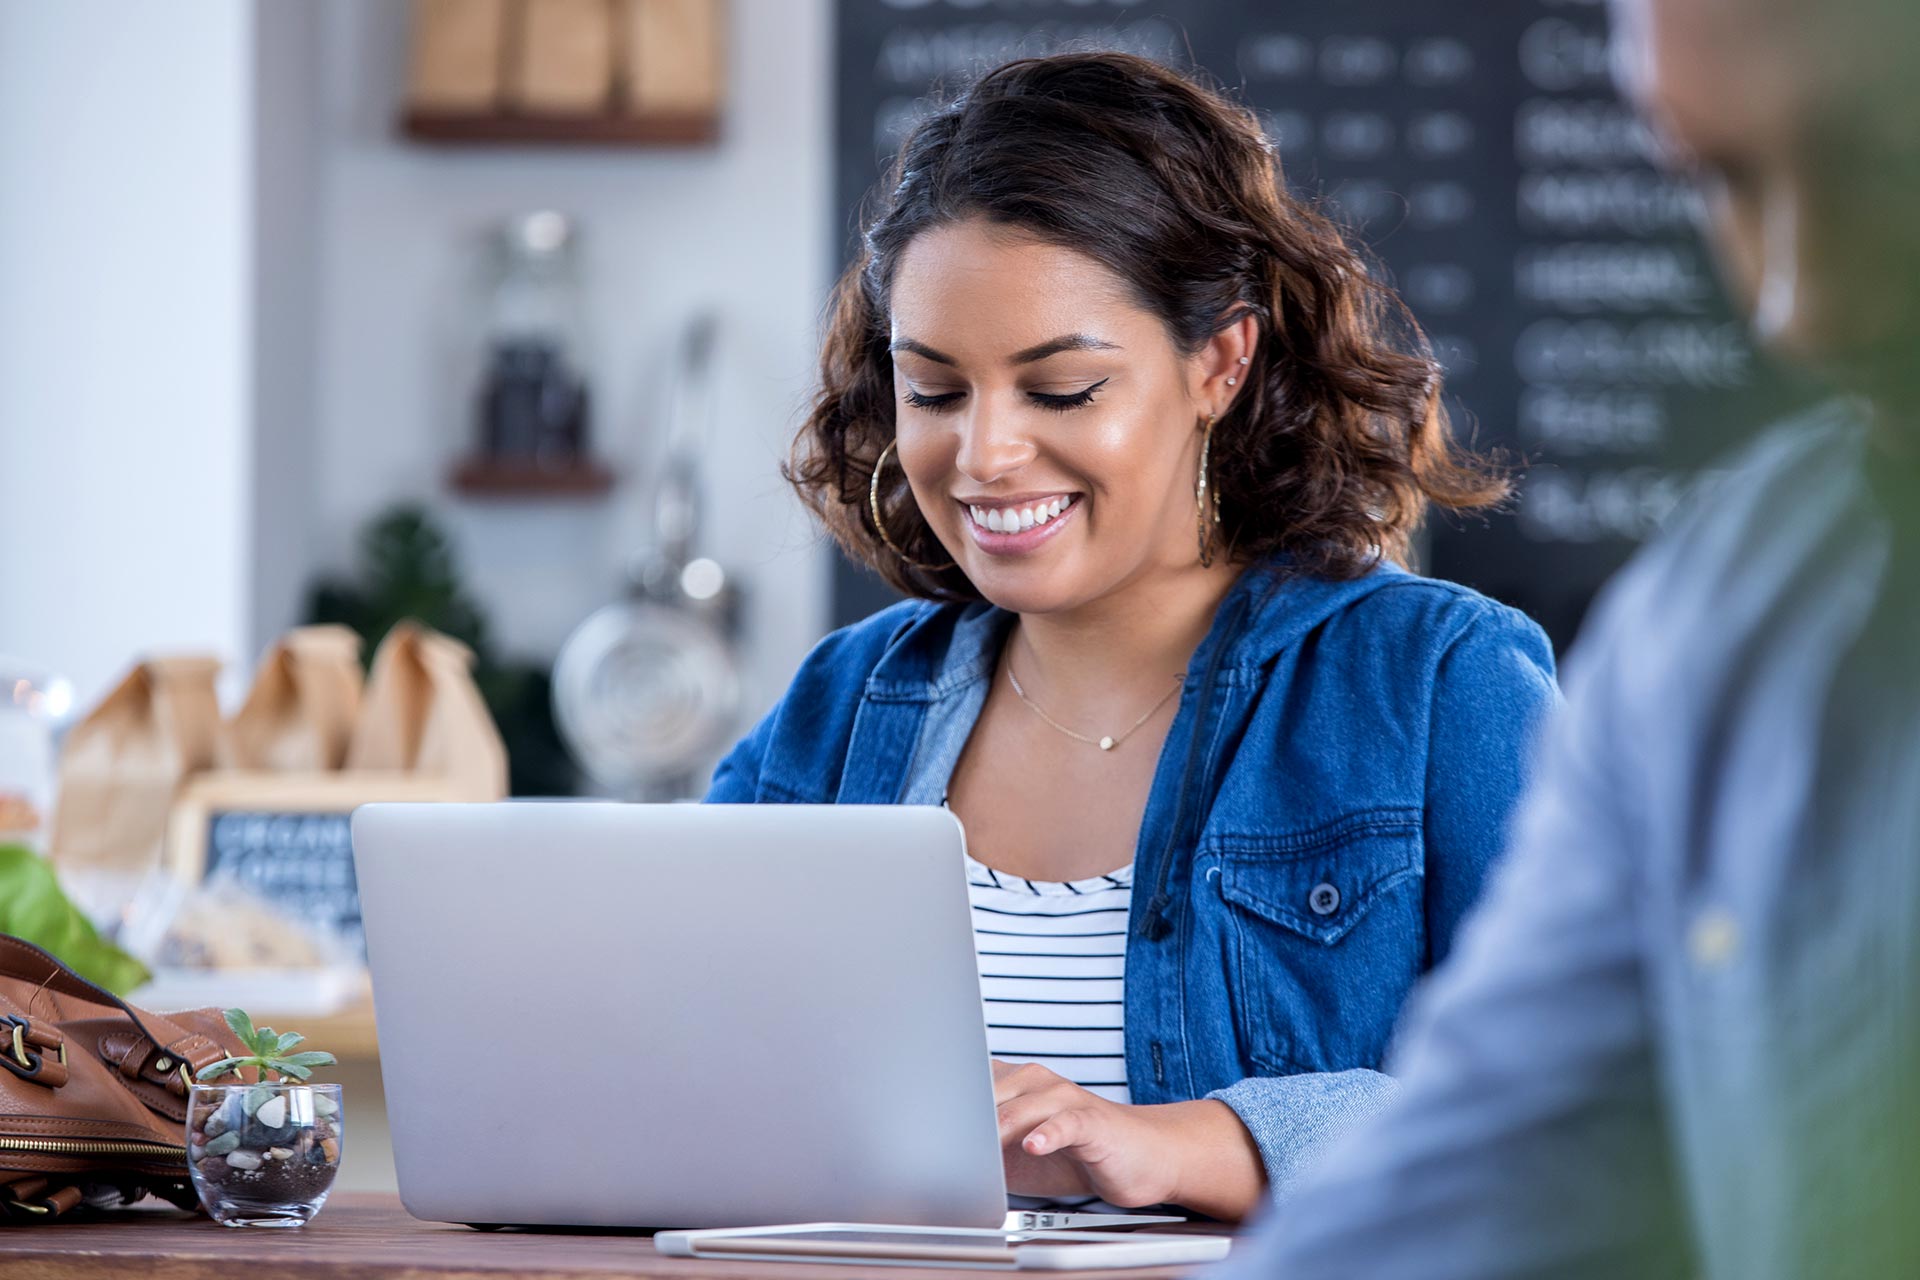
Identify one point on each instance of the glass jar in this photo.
(533, 402)
(264, 1155)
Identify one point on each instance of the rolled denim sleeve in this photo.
(1493, 689)
(1527, 1138)
(1294, 1119)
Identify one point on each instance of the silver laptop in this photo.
(680, 1015)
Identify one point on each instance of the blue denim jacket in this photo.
(1334, 786)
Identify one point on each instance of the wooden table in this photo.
(370, 1237)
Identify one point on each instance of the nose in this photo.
(992, 444)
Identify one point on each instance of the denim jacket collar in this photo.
(926, 663)
(940, 655)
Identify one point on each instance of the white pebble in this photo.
(279, 1153)
(244, 1159)
(273, 1112)
(323, 1105)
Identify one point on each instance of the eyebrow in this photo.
(1051, 347)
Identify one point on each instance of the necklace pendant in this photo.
(1106, 744)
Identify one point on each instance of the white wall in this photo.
(125, 451)
(742, 226)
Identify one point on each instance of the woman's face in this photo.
(1048, 426)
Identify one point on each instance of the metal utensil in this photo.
(649, 687)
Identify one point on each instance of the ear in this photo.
(1217, 373)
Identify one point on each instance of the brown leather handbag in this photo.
(93, 1092)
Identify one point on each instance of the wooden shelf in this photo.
(689, 129)
(489, 478)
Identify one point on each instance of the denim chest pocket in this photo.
(1327, 930)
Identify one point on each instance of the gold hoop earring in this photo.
(880, 526)
(1206, 499)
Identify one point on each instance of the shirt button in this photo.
(1325, 899)
(1714, 938)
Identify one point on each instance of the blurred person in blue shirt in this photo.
(1682, 1034)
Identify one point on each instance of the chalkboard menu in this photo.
(300, 862)
(1481, 153)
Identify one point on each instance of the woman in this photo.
(1149, 444)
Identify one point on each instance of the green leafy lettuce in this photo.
(32, 907)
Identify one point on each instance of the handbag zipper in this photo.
(94, 1147)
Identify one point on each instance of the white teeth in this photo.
(1018, 520)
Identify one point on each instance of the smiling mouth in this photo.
(1020, 519)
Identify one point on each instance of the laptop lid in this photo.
(679, 1015)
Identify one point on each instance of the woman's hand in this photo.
(1060, 1140)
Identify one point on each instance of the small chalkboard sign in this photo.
(286, 838)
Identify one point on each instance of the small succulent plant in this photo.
(270, 1052)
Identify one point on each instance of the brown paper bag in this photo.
(122, 766)
(565, 62)
(300, 713)
(675, 55)
(423, 715)
(456, 55)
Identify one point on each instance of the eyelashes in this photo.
(1057, 404)
(1061, 404)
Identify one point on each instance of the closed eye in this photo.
(1077, 400)
(1055, 403)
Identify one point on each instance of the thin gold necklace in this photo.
(1106, 743)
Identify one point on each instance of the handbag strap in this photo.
(22, 960)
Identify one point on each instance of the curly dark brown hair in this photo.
(1339, 441)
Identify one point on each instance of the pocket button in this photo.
(1324, 900)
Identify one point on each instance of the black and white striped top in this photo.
(1053, 972)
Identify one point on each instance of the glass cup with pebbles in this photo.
(264, 1154)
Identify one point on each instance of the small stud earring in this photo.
(1231, 381)
(1243, 360)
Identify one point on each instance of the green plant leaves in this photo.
(268, 1053)
(312, 1058)
(33, 907)
(241, 1025)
